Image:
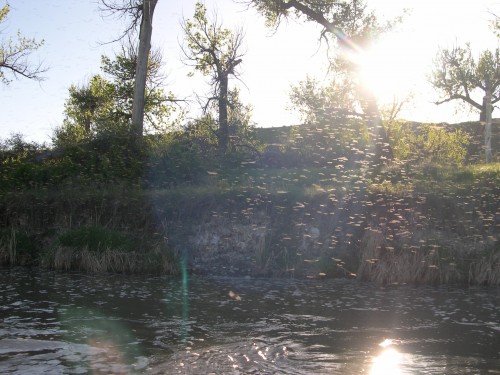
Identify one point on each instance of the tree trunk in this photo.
(223, 134)
(487, 122)
(142, 68)
(86, 124)
(482, 114)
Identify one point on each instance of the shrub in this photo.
(428, 142)
(98, 239)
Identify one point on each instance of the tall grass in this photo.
(155, 260)
(390, 263)
(486, 270)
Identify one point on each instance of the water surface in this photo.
(58, 323)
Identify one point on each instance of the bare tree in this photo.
(215, 52)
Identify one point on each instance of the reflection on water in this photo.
(81, 324)
(388, 362)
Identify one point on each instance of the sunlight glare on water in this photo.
(388, 362)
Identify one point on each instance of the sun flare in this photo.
(393, 66)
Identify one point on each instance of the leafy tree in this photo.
(140, 14)
(14, 55)
(350, 27)
(157, 103)
(317, 102)
(458, 76)
(216, 52)
(105, 103)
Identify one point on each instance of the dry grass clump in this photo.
(17, 247)
(8, 248)
(486, 271)
(394, 263)
(99, 249)
(435, 261)
(109, 260)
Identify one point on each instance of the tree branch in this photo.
(460, 97)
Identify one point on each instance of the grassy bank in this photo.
(435, 225)
(304, 210)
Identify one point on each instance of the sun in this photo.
(393, 66)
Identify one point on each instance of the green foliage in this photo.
(495, 25)
(429, 143)
(209, 46)
(17, 163)
(176, 158)
(241, 129)
(457, 75)
(348, 17)
(317, 103)
(103, 105)
(110, 157)
(69, 134)
(239, 118)
(334, 132)
(98, 239)
(14, 55)
(444, 147)
(17, 148)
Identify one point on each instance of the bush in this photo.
(428, 143)
(98, 239)
(326, 143)
(174, 159)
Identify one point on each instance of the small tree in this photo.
(86, 103)
(317, 102)
(215, 52)
(14, 55)
(239, 123)
(105, 103)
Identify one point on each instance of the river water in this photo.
(57, 323)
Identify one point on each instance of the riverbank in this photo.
(422, 224)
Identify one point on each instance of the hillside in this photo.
(313, 208)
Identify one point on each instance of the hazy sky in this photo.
(74, 29)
